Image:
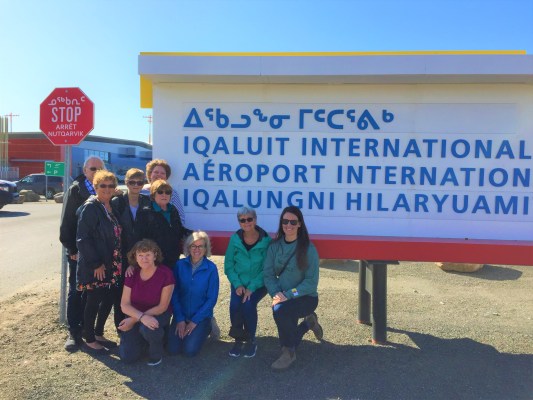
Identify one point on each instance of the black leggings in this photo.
(97, 309)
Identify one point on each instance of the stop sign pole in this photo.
(66, 118)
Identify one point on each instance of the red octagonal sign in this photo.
(67, 116)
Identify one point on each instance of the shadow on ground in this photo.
(12, 214)
(493, 273)
(433, 368)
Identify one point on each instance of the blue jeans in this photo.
(75, 301)
(132, 342)
(244, 315)
(287, 315)
(191, 344)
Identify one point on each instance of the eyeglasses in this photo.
(194, 247)
(243, 220)
(136, 183)
(104, 186)
(169, 192)
(293, 222)
(95, 169)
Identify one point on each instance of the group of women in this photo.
(130, 257)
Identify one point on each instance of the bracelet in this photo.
(142, 315)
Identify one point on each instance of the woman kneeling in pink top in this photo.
(146, 303)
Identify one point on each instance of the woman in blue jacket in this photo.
(243, 265)
(194, 297)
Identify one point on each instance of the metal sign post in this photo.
(66, 118)
(64, 265)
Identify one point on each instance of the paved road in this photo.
(29, 246)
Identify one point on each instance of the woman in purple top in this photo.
(146, 303)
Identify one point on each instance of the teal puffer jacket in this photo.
(243, 267)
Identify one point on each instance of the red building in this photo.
(29, 151)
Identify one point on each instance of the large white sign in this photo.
(451, 162)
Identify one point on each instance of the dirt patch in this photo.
(451, 335)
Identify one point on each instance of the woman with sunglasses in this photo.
(160, 169)
(291, 278)
(99, 259)
(125, 208)
(161, 223)
(243, 265)
(194, 297)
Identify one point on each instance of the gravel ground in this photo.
(451, 336)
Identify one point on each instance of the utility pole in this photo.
(4, 144)
(11, 115)
(149, 118)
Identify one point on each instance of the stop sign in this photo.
(67, 116)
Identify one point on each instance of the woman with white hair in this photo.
(194, 297)
(243, 265)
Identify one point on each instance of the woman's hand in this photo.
(180, 329)
(240, 290)
(247, 295)
(99, 273)
(129, 271)
(149, 321)
(189, 327)
(278, 298)
(126, 324)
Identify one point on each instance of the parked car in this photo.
(37, 183)
(8, 193)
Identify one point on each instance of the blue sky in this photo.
(94, 44)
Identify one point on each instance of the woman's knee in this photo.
(152, 334)
(190, 351)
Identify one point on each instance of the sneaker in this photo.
(288, 356)
(312, 322)
(154, 362)
(71, 343)
(215, 330)
(250, 349)
(236, 349)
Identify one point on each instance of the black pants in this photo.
(97, 309)
(75, 301)
(287, 315)
(116, 293)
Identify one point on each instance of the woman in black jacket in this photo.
(126, 208)
(99, 259)
(160, 221)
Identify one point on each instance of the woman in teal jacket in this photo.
(291, 278)
(243, 265)
(194, 296)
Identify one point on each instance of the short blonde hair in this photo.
(134, 173)
(193, 237)
(154, 163)
(103, 175)
(144, 246)
(160, 184)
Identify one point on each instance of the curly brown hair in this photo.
(144, 246)
(154, 163)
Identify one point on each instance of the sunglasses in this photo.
(95, 169)
(243, 220)
(104, 186)
(169, 192)
(194, 247)
(136, 183)
(293, 222)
